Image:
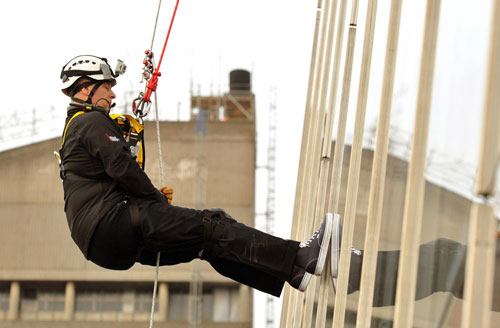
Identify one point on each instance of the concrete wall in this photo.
(36, 243)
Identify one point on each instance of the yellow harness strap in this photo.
(133, 122)
(62, 174)
(66, 128)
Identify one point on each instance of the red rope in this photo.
(168, 35)
(153, 82)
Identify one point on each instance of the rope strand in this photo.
(155, 288)
(168, 35)
(162, 177)
(156, 24)
(160, 156)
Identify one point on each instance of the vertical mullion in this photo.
(414, 197)
(479, 268)
(355, 165)
(491, 132)
(288, 294)
(481, 246)
(307, 129)
(377, 184)
(325, 282)
(294, 315)
(318, 173)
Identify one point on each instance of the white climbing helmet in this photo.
(93, 67)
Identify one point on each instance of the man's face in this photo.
(104, 96)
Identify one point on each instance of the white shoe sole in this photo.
(335, 246)
(323, 250)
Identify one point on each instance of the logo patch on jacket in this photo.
(112, 138)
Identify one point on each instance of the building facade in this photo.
(46, 282)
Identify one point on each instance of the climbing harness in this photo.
(133, 132)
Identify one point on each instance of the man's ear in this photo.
(86, 90)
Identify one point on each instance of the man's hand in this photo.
(167, 192)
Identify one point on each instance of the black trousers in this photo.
(242, 253)
(441, 268)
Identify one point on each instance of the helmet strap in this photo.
(87, 106)
(91, 94)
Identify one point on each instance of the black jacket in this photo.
(96, 150)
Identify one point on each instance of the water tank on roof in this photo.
(239, 80)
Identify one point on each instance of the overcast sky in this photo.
(272, 39)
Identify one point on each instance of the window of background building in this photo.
(41, 300)
(4, 297)
(226, 304)
(143, 299)
(178, 302)
(220, 303)
(112, 302)
(98, 299)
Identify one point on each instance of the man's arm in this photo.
(103, 139)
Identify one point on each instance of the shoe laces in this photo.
(310, 240)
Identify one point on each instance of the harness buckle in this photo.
(62, 174)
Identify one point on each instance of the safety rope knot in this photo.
(142, 104)
(151, 86)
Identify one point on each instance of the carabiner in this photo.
(140, 108)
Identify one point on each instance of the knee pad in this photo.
(215, 221)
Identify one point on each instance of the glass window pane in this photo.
(4, 297)
(29, 300)
(178, 297)
(143, 299)
(178, 306)
(51, 299)
(207, 306)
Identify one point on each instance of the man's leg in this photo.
(114, 244)
(184, 234)
(242, 253)
(240, 272)
(230, 241)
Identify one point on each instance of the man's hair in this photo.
(79, 85)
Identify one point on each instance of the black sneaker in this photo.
(312, 254)
(299, 279)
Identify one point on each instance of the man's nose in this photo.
(113, 96)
